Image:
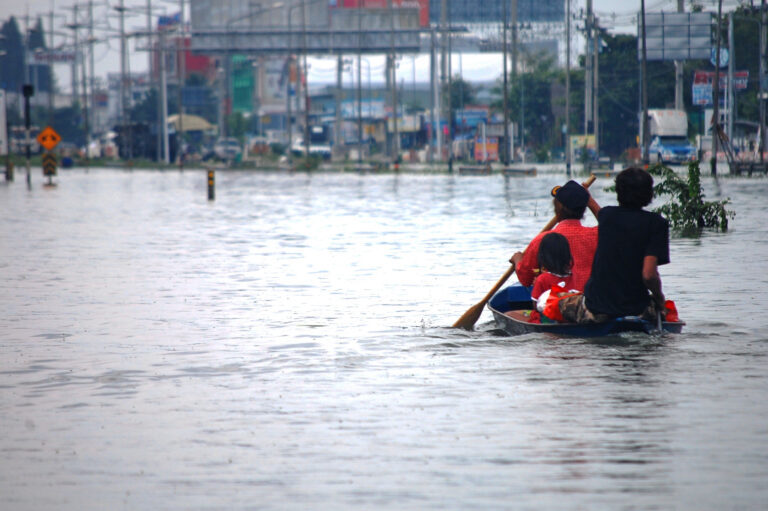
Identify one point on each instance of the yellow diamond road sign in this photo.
(48, 138)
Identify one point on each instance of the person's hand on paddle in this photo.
(516, 258)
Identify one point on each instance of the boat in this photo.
(511, 305)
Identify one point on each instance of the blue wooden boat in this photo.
(510, 305)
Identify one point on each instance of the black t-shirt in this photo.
(624, 237)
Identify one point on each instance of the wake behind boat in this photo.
(511, 306)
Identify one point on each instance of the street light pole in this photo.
(305, 77)
(716, 93)
(359, 89)
(505, 102)
(761, 102)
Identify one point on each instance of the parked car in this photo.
(227, 148)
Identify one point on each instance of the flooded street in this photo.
(286, 347)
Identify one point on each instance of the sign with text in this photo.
(486, 150)
(702, 85)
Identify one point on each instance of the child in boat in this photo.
(555, 264)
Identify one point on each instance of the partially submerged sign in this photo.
(49, 164)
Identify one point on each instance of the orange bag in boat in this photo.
(551, 308)
(671, 310)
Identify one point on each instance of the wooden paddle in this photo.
(468, 319)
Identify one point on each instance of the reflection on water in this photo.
(285, 347)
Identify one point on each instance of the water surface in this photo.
(286, 347)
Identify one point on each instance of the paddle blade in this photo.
(468, 319)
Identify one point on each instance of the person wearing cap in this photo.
(632, 243)
(570, 202)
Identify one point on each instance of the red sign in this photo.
(421, 5)
(702, 84)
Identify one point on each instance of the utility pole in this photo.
(450, 94)
(716, 92)
(568, 88)
(588, 70)
(732, 58)
(182, 75)
(644, 87)
(163, 99)
(121, 9)
(359, 86)
(679, 69)
(306, 76)
(75, 26)
(86, 97)
(434, 142)
(505, 99)
(761, 103)
(92, 64)
(595, 81)
(50, 71)
(393, 70)
(443, 64)
(513, 23)
(339, 91)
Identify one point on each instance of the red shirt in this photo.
(546, 280)
(583, 243)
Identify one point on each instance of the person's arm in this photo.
(527, 262)
(652, 279)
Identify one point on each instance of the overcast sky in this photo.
(617, 15)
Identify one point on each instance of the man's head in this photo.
(570, 200)
(634, 188)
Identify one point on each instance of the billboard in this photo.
(292, 26)
(421, 5)
(492, 11)
(702, 85)
(675, 36)
(273, 86)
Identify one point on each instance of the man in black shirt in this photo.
(631, 244)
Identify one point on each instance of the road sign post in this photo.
(28, 91)
(48, 138)
(49, 167)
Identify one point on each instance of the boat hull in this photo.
(518, 298)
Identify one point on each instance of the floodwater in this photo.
(286, 347)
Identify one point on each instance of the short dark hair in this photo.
(570, 214)
(634, 188)
(555, 254)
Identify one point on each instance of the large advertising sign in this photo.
(3, 126)
(274, 86)
(703, 80)
(421, 5)
(675, 35)
(492, 11)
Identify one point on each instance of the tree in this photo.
(40, 73)
(530, 99)
(13, 59)
(462, 93)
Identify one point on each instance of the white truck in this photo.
(669, 136)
